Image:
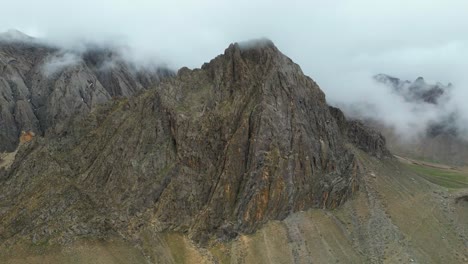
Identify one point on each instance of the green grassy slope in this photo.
(443, 177)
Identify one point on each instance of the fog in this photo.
(340, 44)
(58, 62)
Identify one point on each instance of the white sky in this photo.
(338, 43)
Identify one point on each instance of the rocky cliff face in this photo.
(212, 152)
(360, 135)
(43, 87)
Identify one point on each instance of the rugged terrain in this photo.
(241, 161)
(42, 87)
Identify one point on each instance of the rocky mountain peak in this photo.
(416, 91)
(213, 152)
(261, 46)
(419, 80)
(258, 64)
(261, 53)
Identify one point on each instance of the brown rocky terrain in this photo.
(241, 161)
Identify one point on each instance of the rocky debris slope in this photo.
(42, 87)
(212, 152)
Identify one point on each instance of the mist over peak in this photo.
(14, 35)
(416, 91)
(414, 109)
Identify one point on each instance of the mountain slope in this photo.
(395, 217)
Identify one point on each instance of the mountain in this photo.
(442, 140)
(244, 139)
(42, 87)
(416, 91)
(240, 161)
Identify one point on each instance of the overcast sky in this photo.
(338, 43)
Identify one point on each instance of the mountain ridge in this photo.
(245, 139)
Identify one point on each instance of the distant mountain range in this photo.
(442, 141)
(416, 91)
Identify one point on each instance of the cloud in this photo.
(56, 63)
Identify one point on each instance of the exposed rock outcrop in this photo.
(360, 135)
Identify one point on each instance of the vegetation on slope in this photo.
(449, 178)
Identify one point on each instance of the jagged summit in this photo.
(419, 80)
(255, 62)
(416, 91)
(257, 44)
(252, 50)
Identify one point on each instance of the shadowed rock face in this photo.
(360, 135)
(42, 87)
(462, 199)
(212, 152)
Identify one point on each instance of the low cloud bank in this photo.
(56, 63)
(409, 117)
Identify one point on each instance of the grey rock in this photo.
(43, 87)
